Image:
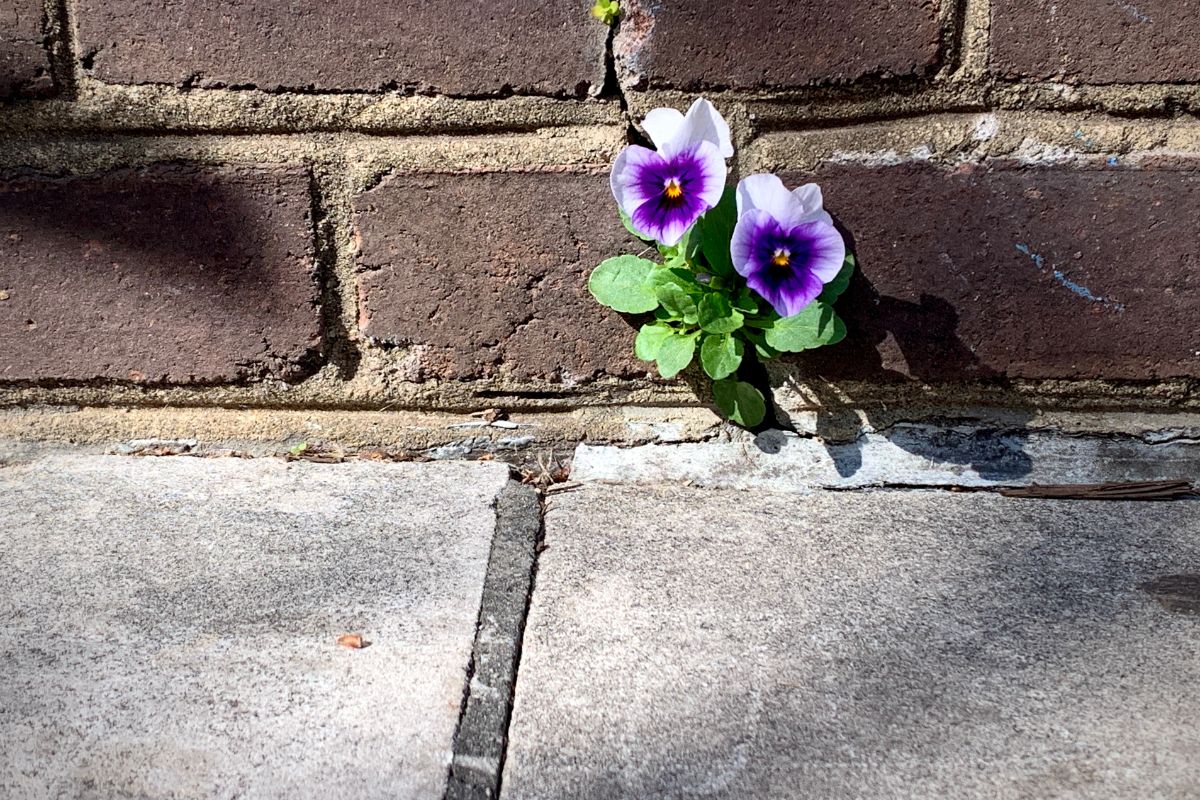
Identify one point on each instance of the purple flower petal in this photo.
(629, 191)
(665, 195)
(787, 265)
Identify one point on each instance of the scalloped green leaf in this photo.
(715, 229)
(721, 355)
(676, 302)
(740, 402)
(815, 326)
(606, 11)
(717, 315)
(623, 284)
(649, 341)
(833, 290)
(675, 352)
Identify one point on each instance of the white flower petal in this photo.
(702, 123)
(662, 125)
(812, 204)
(766, 192)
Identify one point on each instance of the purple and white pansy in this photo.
(665, 191)
(784, 243)
(759, 275)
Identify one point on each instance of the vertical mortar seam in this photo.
(59, 28)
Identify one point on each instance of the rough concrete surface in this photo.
(169, 625)
(685, 643)
(904, 454)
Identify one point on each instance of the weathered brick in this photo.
(487, 274)
(448, 46)
(693, 44)
(1010, 271)
(168, 274)
(24, 62)
(1096, 41)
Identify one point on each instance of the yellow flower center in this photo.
(782, 258)
(673, 190)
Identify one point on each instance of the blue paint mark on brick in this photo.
(1068, 284)
(1039, 260)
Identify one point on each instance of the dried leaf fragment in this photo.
(354, 641)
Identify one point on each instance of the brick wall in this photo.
(396, 204)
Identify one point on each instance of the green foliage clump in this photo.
(702, 308)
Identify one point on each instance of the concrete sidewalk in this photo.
(872, 644)
(169, 626)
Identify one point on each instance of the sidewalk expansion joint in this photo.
(481, 740)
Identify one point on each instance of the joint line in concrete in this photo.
(481, 740)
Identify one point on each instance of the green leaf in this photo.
(717, 315)
(675, 353)
(649, 341)
(676, 302)
(683, 278)
(721, 355)
(812, 327)
(745, 302)
(740, 401)
(623, 284)
(835, 287)
(715, 229)
(628, 223)
(606, 11)
(763, 350)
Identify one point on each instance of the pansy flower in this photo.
(664, 192)
(785, 244)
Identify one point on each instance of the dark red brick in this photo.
(752, 44)
(449, 46)
(488, 274)
(1097, 41)
(24, 62)
(998, 272)
(169, 274)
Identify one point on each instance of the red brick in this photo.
(694, 44)
(488, 274)
(448, 46)
(24, 62)
(986, 272)
(169, 274)
(1097, 41)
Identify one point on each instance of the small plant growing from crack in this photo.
(746, 272)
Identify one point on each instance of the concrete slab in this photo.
(903, 455)
(168, 626)
(875, 644)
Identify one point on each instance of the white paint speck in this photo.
(986, 128)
